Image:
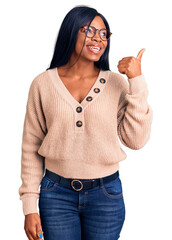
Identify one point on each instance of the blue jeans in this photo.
(97, 213)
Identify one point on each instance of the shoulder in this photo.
(39, 80)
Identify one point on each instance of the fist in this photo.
(131, 66)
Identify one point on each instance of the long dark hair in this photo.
(67, 36)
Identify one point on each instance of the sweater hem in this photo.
(82, 170)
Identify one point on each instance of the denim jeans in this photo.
(97, 213)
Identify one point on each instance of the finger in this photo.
(33, 234)
(122, 70)
(125, 58)
(39, 231)
(122, 65)
(40, 235)
(139, 55)
(29, 236)
(40, 238)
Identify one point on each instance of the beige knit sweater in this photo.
(79, 140)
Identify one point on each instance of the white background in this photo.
(28, 34)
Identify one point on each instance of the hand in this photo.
(32, 226)
(131, 66)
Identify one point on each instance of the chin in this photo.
(94, 58)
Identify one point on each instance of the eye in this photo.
(88, 29)
(103, 33)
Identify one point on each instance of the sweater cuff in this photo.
(29, 204)
(137, 84)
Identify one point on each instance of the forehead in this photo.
(98, 23)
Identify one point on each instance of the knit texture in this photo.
(80, 140)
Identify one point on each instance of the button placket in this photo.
(96, 90)
(80, 116)
(79, 119)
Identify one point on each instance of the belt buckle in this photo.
(74, 187)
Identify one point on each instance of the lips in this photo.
(94, 48)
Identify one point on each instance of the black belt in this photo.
(79, 183)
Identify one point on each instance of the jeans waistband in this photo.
(78, 184)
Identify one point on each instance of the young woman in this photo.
(75, 111)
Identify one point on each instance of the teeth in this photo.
(96, 48)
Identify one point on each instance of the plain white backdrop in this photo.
(28, 33)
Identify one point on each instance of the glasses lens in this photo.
(89, 31)
(105, 34)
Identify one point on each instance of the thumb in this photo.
(39, 231)
(139, 56)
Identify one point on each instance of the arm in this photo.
(34, 131)
(134, 117)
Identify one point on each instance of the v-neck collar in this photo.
(95, 90)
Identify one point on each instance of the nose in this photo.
(97, 36)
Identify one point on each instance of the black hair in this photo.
(67, 36)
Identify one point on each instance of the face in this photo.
(88, 53)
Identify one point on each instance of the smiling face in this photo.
(94, 47)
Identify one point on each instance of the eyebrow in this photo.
(93, 26)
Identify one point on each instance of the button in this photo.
(102, 80)
(79, 109)
(96, 90)
(79, 123)
(89, 98)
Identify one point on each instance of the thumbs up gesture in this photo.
(131, 66)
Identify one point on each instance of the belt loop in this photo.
(59, 178)
(101, 182)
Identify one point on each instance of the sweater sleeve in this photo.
(32, 164)
(134, 117)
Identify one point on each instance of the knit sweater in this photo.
(80, 140)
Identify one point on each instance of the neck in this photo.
(82, 68)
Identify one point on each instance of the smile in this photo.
(93, 49)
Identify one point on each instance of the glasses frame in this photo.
(95, 30)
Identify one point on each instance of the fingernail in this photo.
(41, 235)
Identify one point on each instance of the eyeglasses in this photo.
(91, 32)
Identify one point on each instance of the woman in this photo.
(75, 110)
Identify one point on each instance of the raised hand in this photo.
(131, 66)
